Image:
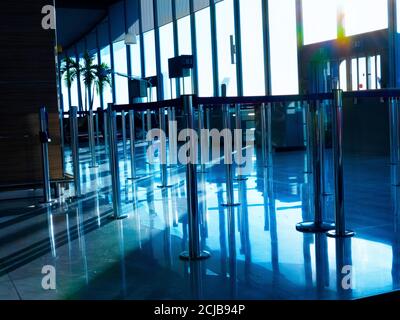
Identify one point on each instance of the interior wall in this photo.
(27, 82)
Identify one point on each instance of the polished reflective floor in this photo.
(256, 251)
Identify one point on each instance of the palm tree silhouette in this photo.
(94, 76)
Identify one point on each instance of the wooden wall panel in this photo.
(27, 82)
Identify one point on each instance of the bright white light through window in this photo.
(252, 47)
(120, 66)
(185, 47)
(283, 46)
(343, 75)
(226, 29)
(167, 51)
(106, 58)
(204, 56)
(319, 20)
(136, 58)
(150, 53)
(363, 16)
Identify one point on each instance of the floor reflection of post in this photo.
(232, 254)
(121, 245)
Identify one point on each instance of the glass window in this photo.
(398, 15)
(252, 47)
(120, 66)
(354, 75)
(136, 59)
(343, 75)
(167, 52)
(365, 16)
(185, 47)
(64, 92)
(378, 72)
(225, 32)
(319, 20)
(283, 47)
(362, 73)
(150, 61)
(106, 58)
(371, 73)
(150, 54)
(204, 55)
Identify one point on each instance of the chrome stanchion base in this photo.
(312, 227)
(230, 205)
(122, 217)
(346, 234)
(136, 178)
(165, 187)
(75, 197)
(186, 256)
(240, 178)
(44, 203)
(327, 194)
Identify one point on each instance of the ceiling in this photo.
(84, 4)
(75, 18)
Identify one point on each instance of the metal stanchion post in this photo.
(337, 130)
(143, 126)
(114, 163)
(394, 156)
(123, 124)
(173, 139)
(105, 124)
(97, 127)
(92, 145)
(230, 196)
(321, 125)
(73, 118)
(194, 252)
(265, 136)
(45, 140)
(394, 141)
(269, 129)
(201, 127)
(318, 225)
(308, 131)
(148, 119)
(132, 144)
(163, 151)
(62, 140)
(238, 135)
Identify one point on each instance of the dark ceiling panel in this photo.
(84, 4)
(73, 24)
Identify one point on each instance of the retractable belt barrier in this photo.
(315, 137)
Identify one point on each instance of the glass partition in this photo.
(225, 39)
(252, 47)
(363, 16)
(185, 47)
(106, 58)
(319, 20)
(120, 67)
(283, 47)
(167, 52)
(204, 55)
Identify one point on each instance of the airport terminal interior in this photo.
(199, 149)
